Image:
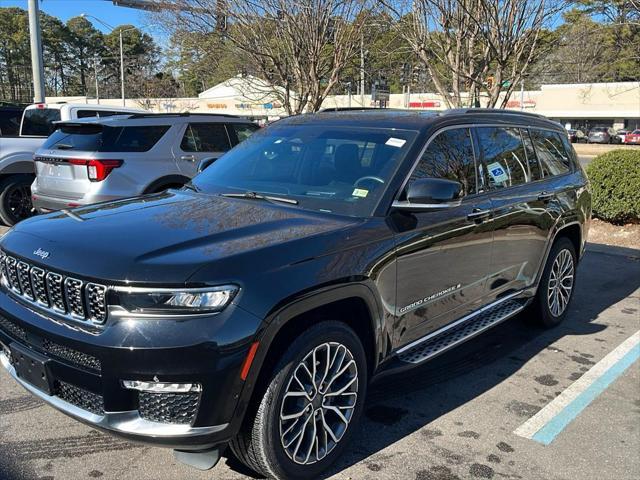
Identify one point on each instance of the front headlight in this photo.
(169, 301)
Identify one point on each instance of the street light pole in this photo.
(120, 32)
(95, 71)
(124, 101)
(362, 69)
(37, 65)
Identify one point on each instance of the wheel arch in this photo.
(285, 322)
(166, 182)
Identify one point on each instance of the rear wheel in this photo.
(311, 406)
(555, 290)
(15, 199)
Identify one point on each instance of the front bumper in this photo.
(85, 369)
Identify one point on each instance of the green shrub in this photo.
(615, 185)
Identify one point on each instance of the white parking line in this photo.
(544, 426)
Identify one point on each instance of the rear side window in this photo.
(243, 130)
(504, 156)
(98, 113)
(38, 122)
(98, 138)
(205, 137)
(10, 122)
(551, 153)
(450, 156)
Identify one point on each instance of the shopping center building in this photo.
(573, 105)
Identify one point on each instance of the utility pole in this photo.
(362, 69)
(95, 71)
(124, 101)
(37, 64)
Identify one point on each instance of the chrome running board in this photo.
(460, 331)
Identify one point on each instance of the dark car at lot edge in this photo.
(247, 312)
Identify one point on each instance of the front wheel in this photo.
(311, 406)
(15, 199)
(557, 283)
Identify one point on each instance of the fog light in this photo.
(157, 387)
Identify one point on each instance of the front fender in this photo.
(307, 302)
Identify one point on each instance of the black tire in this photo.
(259, 444)
(541, 310)
(15, 199)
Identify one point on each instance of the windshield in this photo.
(99, 138)
(38, 122)
(343, 170)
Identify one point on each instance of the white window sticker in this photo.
(396, 142)
(496, 171)
(360, 192)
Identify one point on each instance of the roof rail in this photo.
(458, 111)
(358, 109)
(180, 114)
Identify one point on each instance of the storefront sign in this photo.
(427, 104)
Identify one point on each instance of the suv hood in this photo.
(165, 238)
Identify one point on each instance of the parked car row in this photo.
(66, 155)
(603, 135)
(249, 312)
(17, 170)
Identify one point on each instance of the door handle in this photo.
(546, 196)
(188, 158)
(478, 214)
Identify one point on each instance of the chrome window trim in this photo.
(475, 154)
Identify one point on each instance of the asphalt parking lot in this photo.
(451, 419)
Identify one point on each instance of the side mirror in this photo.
(431, 193)
(204, 163)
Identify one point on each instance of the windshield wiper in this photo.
(257, 196)
(64, 146)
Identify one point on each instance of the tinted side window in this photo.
(244, 130)
(551, 153)
(532, 159)
(450, 155)
(504, 156)
(86, 113)
(39, 121)
(131, 139)
(205, 137)
(10, 122)
(91, 137)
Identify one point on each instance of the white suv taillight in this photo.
(97, 170)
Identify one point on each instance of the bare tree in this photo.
(471, 47)
(299, 46)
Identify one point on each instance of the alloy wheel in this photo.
(318, 403)
(560, 283)
(19, 202)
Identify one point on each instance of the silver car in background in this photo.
(96, 160)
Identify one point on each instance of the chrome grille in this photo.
(64, 295)
(96, 302)
(38, 286)
(73, 295)
(12, 274)
(54, 287)
(25, 281)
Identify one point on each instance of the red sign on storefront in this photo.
(428, 104)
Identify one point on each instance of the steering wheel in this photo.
(368, 177)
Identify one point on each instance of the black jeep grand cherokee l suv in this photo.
(252, 308)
